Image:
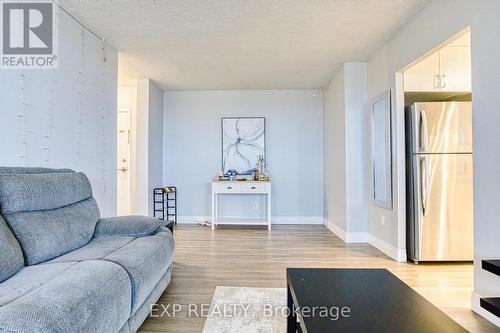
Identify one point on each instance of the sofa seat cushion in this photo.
(145, 259)
(89, 296)
(11, 255)
(96, 249)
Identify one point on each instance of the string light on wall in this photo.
(65, 117)
(50, 112)
(50, 115)
(22, 115)
(80, 93)
(103, 117)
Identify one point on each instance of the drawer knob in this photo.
(253, 188)
(229, 188)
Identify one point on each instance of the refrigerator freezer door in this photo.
(441, 127)
(444, 207)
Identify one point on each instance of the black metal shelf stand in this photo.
(165, 203)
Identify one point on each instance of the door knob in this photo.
(122, 169)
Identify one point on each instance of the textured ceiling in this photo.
(245, 44)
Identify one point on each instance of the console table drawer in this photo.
(253, 187)
(240, 187)
(227, 188)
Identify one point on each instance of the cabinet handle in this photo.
(229, 188)
(253, 188)
(436, 81)
(443, 81)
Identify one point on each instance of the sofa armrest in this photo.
(133, 225)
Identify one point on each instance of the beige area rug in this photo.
(247, 310)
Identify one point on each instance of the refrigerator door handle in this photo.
(424, 184)
(423, 132)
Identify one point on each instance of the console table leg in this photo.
(291, 318)
(214, 198)
(269, 211)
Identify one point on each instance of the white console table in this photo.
(243, 188)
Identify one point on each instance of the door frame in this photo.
(129, 162)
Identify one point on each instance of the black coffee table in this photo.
(359, 300)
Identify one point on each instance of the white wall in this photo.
(140, 175)
(357, 147)
(346, 153)
(65, 117)
(148, 158)
(294, 134)
(437, 22)
(155, 148)
(335, 152)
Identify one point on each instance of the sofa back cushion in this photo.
(50, 213)
(11, 255)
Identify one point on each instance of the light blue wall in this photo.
(294, 131)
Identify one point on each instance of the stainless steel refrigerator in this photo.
(439, 181)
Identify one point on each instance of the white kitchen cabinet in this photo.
(424, 75)
(448, 69)
(455, 68)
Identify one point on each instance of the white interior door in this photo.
(123, 163)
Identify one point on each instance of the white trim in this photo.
(351, 237)
(336, 230)
(398, 255)
(357, 237)
(476, 307)
(297, 220)
(302, 220)
(192, 219)
(400, 156)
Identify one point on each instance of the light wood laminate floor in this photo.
(254, 257)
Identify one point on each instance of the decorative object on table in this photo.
(255, 175)
(165, 203)
(232, 174)
(243, 141)
(261, 169)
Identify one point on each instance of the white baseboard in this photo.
(297, 220)
(476, 307)
(350, 237)
(302, 220)
(357, 237)
(192, 219)
(338, 231)
(394, 253)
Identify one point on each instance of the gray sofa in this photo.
(65, 269)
